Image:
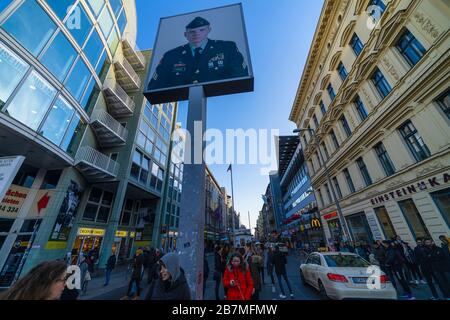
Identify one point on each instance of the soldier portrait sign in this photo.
(207, 48)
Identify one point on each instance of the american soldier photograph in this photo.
(200, 60)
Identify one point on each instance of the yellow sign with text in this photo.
(121, 234)
(91, 232)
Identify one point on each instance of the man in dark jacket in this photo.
(110, 265)
(279, 261)
(395, 261)
(434, 267)
(171, 284)
(136, 275)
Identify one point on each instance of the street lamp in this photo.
(344, 226)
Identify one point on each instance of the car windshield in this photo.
(345, 261)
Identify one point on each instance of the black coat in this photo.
(111, 264)
(218, 265)
(434, 260)
(279, 261)
(394, 259)
(219, 60)
(178, 290)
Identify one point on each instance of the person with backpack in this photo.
(237, 279)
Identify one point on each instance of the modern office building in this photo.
(96, 152)
(291, 196)
(375, 90)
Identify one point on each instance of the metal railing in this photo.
(97, 159)
(130, 46)
(106, 119)
(121, 94)
(129, 70)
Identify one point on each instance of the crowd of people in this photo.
(241, 271)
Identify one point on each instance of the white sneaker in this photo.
(292, 296)
(282, 296)
(273, 289)
(416, 282)
(423, 282)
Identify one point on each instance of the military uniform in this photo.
(219, 60)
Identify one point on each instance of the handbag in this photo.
(87, 277)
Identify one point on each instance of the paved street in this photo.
(119, 284)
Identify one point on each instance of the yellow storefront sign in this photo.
(121, 234)
(132, 234)
(91, 232)
(56, 245)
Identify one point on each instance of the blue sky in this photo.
(279, 35)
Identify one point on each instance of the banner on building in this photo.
(207, 48)
(9, 166)
(67, 213)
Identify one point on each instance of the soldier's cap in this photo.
(197, 22)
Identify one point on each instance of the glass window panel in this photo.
(106, 22)
(107, 198)
(79, 24)
(385, 222)
(90, 212)
(78, 79)
(103, 214)
(57, 121)
(122, 22)
(12, 70)
(5, 225)
(59, 57)
(31, 26)
(32, 101)
(113, 42)
(140, 140)
(90, 96)
(96, 6)
(95, 195)
(3, 5)
(60, 7)
(116, 5)
(51, 179)
(73, 135)
(93, 48)
(103, 67)
(414, 219)
(442, 200)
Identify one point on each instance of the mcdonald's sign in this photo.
(315, 223)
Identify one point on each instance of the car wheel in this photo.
(302, 279)
(323, 292)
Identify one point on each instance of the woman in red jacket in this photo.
(237, 279)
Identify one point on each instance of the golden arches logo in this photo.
(315, 223)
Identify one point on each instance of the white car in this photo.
(342, 275)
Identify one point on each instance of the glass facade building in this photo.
(96, 152)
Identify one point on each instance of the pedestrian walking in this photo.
(262, 253)
(110, 265)
(171, 283)
(396, 263)
(269, 266)
(255, 261)
(279, 262)
(153, 272)
(134, 288)
(433, 263)
(237, 279)
(411, 264)
(218, 270)
(85, 275)
(46, 281)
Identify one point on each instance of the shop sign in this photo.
(330, 215)
(121, 234)
(371, 220)
(315, 223)
(411, 189)
(132, 234)
(91, 232)
(13, 201)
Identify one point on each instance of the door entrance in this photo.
(85, 244)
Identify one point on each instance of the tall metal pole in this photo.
(249, 223)
(193, 197)
(345, 230)
(232, 203)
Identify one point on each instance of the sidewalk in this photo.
(119, 279)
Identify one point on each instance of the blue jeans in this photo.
(281, 285)
(107, 276)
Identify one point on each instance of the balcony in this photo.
(119, 102)
(125, 75)
(109, 132)
(95, 166)
(136, 58)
